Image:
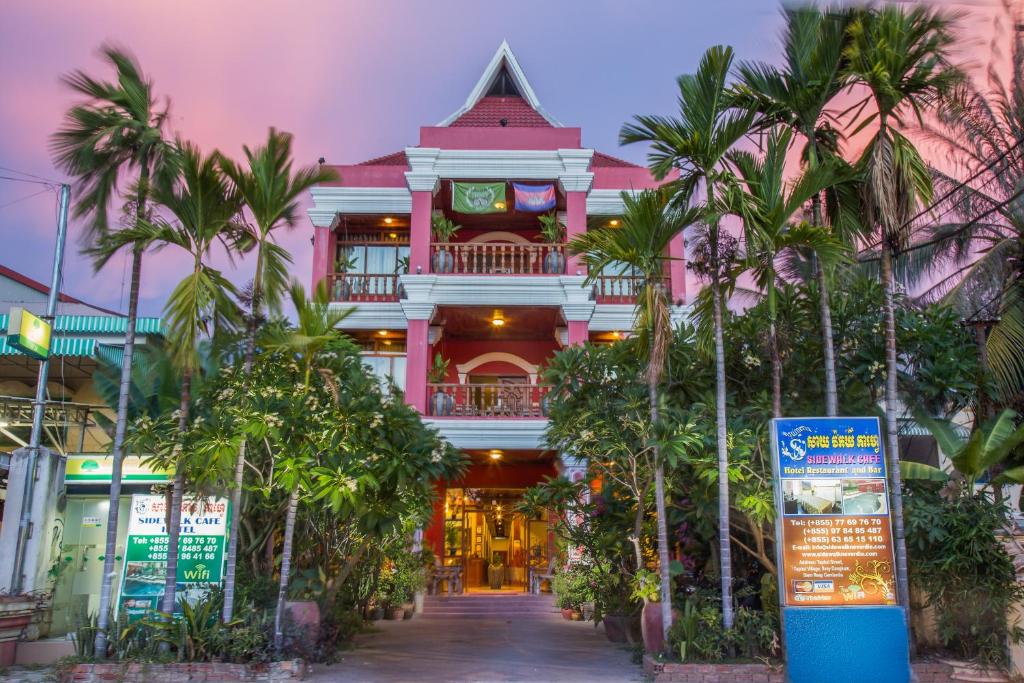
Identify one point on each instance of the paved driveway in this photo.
(431, 650)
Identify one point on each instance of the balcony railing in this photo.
(497, 258)
(363, 287)
(617, 289)
(487, 400)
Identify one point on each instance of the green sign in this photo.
(200, 552)
(478, 197)
(28, 333)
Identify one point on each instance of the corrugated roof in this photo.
(59, 346)
(45, 289)
(98, 324)
(489, 111)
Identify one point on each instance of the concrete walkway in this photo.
(435, 650)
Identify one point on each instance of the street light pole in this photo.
(39, 404)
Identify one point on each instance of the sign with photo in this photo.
(203, 530)
(831, 494)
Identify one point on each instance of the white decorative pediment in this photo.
(503, 60)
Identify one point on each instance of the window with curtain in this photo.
(387, 367)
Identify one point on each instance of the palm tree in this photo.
(117, 131)
(977, 253)
(768, 207)
(797, 95)
(900, 57)
(315, 329)
(696, 143)
(202, 210)
(641, 242)
(271, 192)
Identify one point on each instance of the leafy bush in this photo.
(958, 560)
(573, 586)
(698, 634)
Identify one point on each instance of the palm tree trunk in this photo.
(177, 492)
(724, 549)
(891, 434)
(828, 346)
(286, 566)
(659, 501)
(110, 548)
(831, 391)
(239, 480)
(773, 353)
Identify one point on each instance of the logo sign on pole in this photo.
(28, 333)
(835, 537)
(200, 552)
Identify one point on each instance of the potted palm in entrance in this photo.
(647, 588)
(342, 288)
(553, 232)
(496, 572)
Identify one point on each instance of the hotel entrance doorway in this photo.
(493, 543)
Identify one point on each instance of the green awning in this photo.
(59, 346)
(99, 324)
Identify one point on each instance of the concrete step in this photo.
(484, 606)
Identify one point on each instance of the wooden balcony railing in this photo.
(487, 400)
(497, 258)
(617, 289)
(363, 287)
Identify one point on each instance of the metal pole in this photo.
(39, 405)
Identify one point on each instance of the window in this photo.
(386, 367)
(375, 259)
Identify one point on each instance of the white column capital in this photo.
(578, 305)
(576, 176)
(422, 176)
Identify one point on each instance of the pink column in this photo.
(419, 231)
(677, 269)
(579, 331)
(575, 224)
(417, 358)
(323, 253)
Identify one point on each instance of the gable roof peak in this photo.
(503, 65)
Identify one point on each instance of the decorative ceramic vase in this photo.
(443, 261)
(442, 403)
(496, 576)
(651, 627)
(554, 263)
(616, 627)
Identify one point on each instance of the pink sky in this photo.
(351, 80)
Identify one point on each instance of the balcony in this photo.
(487, 400)
(363, 287)
(617, 289)
(497, 258)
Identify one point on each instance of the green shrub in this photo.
(572, 587)
(958, 561)
(699, 635)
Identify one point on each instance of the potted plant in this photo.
(16, 613)
(342, 288)
(646, 587)
(496, 572)
(440, 403)
(443, 230)
(451, 537)
(572, 587)
(553, 232)
(401, 268)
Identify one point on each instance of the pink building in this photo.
(494, 301)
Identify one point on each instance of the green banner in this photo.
(478, 197)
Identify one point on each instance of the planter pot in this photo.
(306, 616)
(576, 615)
(969, 671)
(394, 614)
(342, 290)
(441, 403)
(417, 602)
(616, 627)
(377, 613)
(554, 263)
(408, 609)
(443, 261)
(495, 577)
(587, 609)
(545, 404)
(651, 625)
(567, 613)
(15, 616)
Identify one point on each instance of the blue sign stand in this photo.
(831, 497)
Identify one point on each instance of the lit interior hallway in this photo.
(465, 639)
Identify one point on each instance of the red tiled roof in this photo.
(45, 289)
(396, 159)
(606, 160)
(489, 111)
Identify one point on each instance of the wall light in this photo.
(393, 235)
(500, 206)
(495, 454)
(382, 333)
(497, 318)
(614, 222)
(389, 220)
